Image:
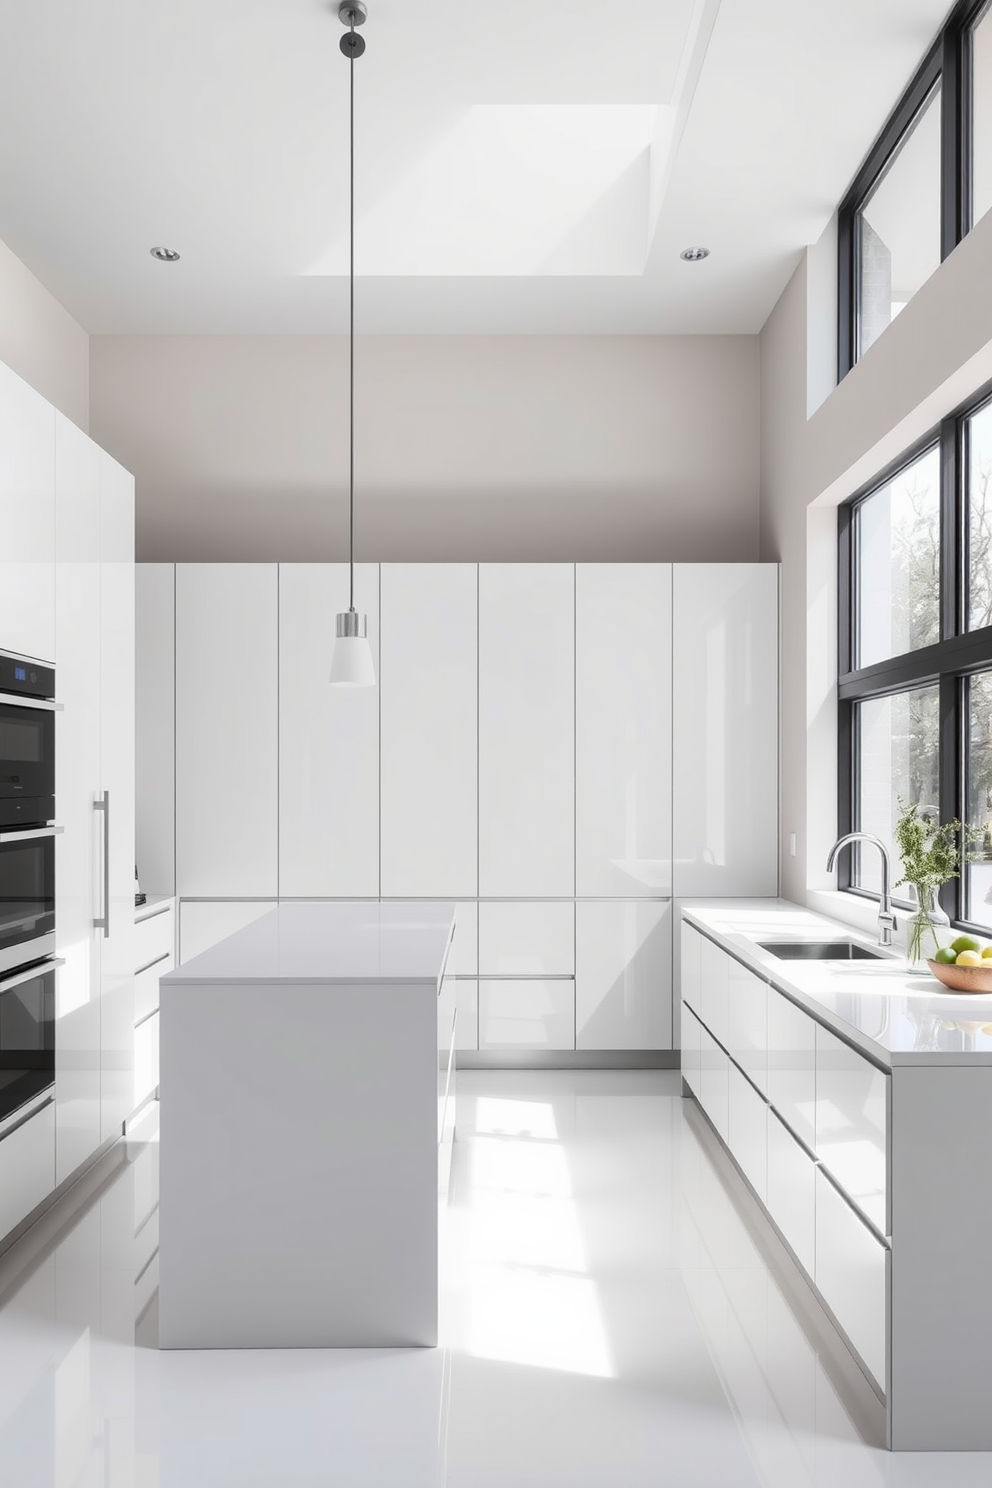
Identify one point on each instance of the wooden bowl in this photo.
(963, 978)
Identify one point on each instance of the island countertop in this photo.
(319, 942)
(895, 1015)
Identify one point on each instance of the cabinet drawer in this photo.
(526, 939)
(690, 1035)
(714, 974)
(27, 1167)
(791, 1191)
(153, 938)
(463, 958)
(791, 1085)
(852, 1100)
(527, 1014)
(467, 1021)
(748, 1131)
(145, 1059)
(714, 1069)
(747, 1023)
(851, 1275)
(146, 986)
(691, 951)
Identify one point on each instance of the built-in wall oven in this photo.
(27, 808)
(27, 1036)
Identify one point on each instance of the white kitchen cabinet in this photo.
(623, 974)
(78, 777)
(747, 1127)
(747, 1022)
(791, 1191)
(27, 504)
(328, 775)
(203, 923)
(714, 1082)
(690, 1036)
(714, 979)
(463, 958)
(851, 1275)
(155, 726)
(792, 1065)
(27, 1167)
(691, 945)
(851, 1128)
(145, 1058)
(623, 730)
(526, 730)
(227, 689)
(428, 680)
(467, 1021)
(725, 728)
(527, 939)
(527, 1014)
(117, 783)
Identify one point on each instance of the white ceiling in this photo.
(520, 168)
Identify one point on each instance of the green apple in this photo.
(965, 943)
(946, 956)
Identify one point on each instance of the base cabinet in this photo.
(850, 1274)
(791, 1191)
(27, 1167)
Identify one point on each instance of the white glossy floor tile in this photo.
(614, 1316)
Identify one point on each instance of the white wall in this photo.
(41, 342)
(936, 353)
(467, 447)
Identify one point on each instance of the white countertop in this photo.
(895, 1015)
(361, 941)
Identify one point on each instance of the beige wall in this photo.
(931, 358)
(41, 342)
(467, 447)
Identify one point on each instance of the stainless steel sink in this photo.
(820, 950)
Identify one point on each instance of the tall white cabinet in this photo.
(561, 749)
(27, 507)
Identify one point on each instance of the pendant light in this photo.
(351, 664)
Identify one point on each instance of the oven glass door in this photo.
(27, 1036)
(27, 895)
(27, 765)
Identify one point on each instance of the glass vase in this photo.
(927, 931)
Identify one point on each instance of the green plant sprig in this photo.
(931, 851)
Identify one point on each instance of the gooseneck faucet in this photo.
(886, 919)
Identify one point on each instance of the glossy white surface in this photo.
(527, 939)
(467, 1023)
(526, 730)
(202, 923)
(463, 958)
(791, 1191)
(714, 1082)
(895, 1015)
(792, 1065)
(527, 1014)
(852, 1124)
(691, 1045)
(27, 1167)
(714, 979)
(146, 987)
(691, 948)
(155, 725)
(428, 674)
(27, 504)
(623, 975)
(145, 1058)
(596, 1330)
(329, 942)
(623, 730)
(747, 1128)
(850, 1273)
(154, 936)
(747, 1022)
(227, 688)
(725, 728)
(328, 739)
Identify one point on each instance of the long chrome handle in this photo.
(31, 832)
(103, 923)
(17, 977)
(22, 700)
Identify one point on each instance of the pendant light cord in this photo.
(351, 344)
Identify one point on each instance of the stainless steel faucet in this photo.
(886, 919)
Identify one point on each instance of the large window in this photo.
(926, 180)
(915, 692)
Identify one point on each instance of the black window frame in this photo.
(958, 654)
(948, 62)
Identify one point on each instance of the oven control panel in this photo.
(31, 678)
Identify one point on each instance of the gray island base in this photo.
(307, 1104)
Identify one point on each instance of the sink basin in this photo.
(820, 950)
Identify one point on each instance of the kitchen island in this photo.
(307, 1109)
(855, 1098)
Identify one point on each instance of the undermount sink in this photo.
(820, 950)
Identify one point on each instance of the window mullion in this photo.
(952, 777)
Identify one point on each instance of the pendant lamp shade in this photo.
(351, 663)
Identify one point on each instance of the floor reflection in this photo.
(614, 1316)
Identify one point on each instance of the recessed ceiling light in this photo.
(164, 255)
(693, 255)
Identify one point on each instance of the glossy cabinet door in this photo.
(155, 726)
(725, 728)
(27, 515)
(691, 1036)
(117, 786)
(227, 689)
(690, 970)
(428, 678)
(526, 1014)
(526, 730)
(747, 1022)
(747, 1124)
(714, 1082)
(623, 974)
(623, 729)
(852, 1101)
(328, 775)
(714, 976)
(535, 938)
(463, 958)
(27, 1167)
(77, 787)
(791, 1191)
(203, 923)
(851, 1274)
(792, 1065)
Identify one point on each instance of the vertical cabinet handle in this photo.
(103, 923)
